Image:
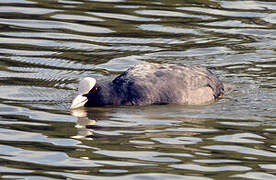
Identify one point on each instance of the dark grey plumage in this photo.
(158, 84)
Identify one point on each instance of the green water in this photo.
(47, 46)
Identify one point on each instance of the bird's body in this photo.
(158, 84)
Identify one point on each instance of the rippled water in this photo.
(47, 46)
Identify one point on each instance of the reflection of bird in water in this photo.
(86, 123)
(152, 84)
(82, 125)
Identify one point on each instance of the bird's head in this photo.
(85, 87)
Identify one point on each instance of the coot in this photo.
(152, 84)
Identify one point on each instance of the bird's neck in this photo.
(105, 95)
(110, 94)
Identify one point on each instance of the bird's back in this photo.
(167, 83)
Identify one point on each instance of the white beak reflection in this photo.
(81, 125)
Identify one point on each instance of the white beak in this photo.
(79, 101)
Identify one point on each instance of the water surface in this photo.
(47, 46)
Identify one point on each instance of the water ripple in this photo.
(196, 167)
(256, 175)
(178, 140)
(170, 14)
(145, 155)
(241, 149)
(75, 17)
(220, 12)
(134, 176)
(47, 24)
(248, 5)
(25, 10)
(18, 2)
(122, 16)
(238, 138)
(47, 46)
(168, 29)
